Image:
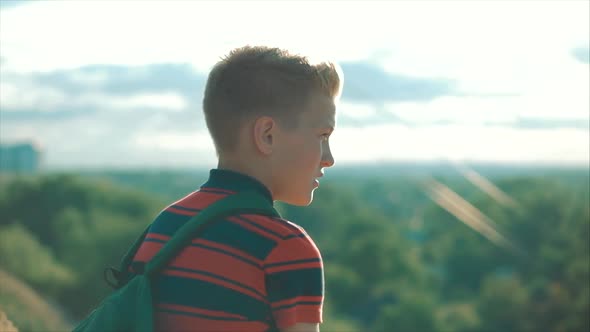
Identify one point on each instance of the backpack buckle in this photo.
(112, 273)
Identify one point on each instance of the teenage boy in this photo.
(270, 114)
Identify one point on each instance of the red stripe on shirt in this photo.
(192, 275)
(294, 249)
(179, 211)
(157, 236)
(254, 229)
(219, 189)
(290, 267)
(214, 313)
(297, 299)
(302, 313)
(181, 323)
(276, 225)
(199, 200)
(147, 250)
(221, 264)
(224, 247)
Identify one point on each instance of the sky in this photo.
(119, 84)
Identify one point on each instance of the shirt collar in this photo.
(234, 181)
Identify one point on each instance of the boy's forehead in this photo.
(323, 111)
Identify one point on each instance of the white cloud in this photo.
(569, 103)
(425, 37)
(472, 110)
(355, 110)
(391, 142)
(186, 31)
(480, 39)
(520, 48)
(94, 79)
(73, 142)
(101, 140)
(25, 94)
(165, 100)
(173, 141)
(28, 96)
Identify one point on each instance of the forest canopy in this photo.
(395, 258)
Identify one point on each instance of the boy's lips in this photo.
(316, 181)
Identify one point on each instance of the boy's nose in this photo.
(327, 158)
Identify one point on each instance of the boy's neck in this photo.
(246, 168)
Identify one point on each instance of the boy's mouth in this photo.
(316, 181)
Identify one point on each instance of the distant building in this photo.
(19, 158)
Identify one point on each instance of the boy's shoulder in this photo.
(281, 228)
(199, 200)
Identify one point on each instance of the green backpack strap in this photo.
(128, 258)
(122, 275)
(243, 202)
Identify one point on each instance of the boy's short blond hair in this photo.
(255, 81)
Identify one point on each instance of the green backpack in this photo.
(130, 307)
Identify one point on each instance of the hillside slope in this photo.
(27, 310)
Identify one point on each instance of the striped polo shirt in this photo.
(245, 273)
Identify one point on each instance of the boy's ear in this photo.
(264, 130)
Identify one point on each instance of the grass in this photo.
(27, 310)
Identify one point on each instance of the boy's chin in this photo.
(299, 200)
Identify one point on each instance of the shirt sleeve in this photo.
(295, 281)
